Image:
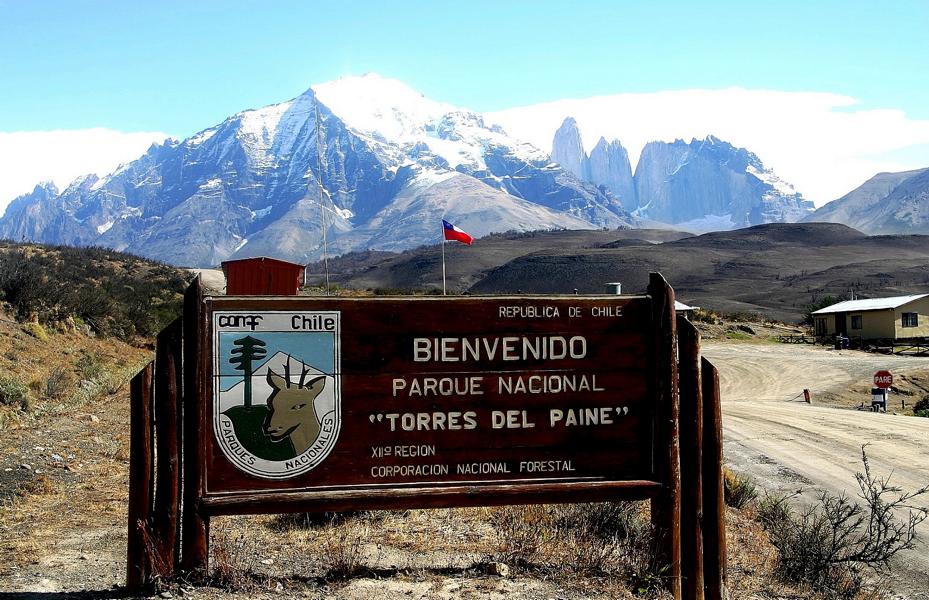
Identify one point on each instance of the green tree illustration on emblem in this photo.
(248, 418)
(246, 350)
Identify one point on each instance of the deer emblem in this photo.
(292, 413)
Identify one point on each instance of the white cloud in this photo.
(822, 143)
(28, 157)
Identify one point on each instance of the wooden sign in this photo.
(341, 394)
(298, 404)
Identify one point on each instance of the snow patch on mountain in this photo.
(377, 105)
(768, 176)
(203, 136)
(389, 110)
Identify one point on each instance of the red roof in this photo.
(262, 276)
(260, 258)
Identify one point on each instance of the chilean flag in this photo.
(453, 233)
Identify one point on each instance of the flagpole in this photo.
(443, 259)
(322, 210)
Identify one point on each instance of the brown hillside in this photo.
(776, 270)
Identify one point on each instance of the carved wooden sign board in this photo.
(375, 396)
(301, 404)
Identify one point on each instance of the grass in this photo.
(738, 336)
(45, 378)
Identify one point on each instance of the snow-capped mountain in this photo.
(380, 169)
(704, 185)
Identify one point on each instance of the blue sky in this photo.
(182, 66)
(135, 71)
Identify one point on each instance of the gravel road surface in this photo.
(788, 445)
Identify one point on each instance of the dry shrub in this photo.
(316, 520)
(40, 485)
(344, 554)
(738, 489)
(613, 538)
(829, 546)
(58, 383)
(523, 533)
(607, 538)
(232, 560)
(775, 510)
(89, 365)
(159, 565)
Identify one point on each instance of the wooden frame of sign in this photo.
(302, 404)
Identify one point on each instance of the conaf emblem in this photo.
(276, 417)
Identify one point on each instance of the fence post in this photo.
(167, 476)
(139, 557)
(691, 431)
(666, 507)
(195, 526)
(714, 502)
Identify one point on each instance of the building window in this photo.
(820, 326)
(856, 322)
(911, 319)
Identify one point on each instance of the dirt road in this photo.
(789, 445)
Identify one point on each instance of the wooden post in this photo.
(167, 476)
(714, 504)
(666, 507)
(195, 526)
(138, 548)
(691, 429)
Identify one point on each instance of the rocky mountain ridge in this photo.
(703, 185)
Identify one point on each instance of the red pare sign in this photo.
(883, 379)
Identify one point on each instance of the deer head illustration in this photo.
(292, 412)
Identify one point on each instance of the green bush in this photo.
(921, 408)
(821, 302)
(89, 366)
(14, 392)
(738, 336)
(36, 331)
